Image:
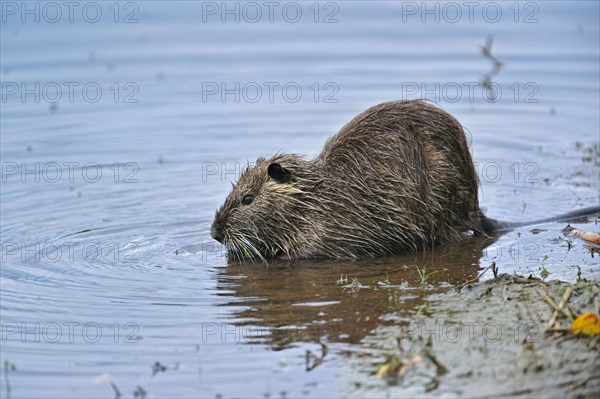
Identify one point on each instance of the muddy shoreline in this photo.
(493, 339)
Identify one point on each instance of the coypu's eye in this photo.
(247, 199)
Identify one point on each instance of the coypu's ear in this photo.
(279, 173)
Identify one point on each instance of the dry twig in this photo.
(561, 305)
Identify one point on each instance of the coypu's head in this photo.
(265, 215)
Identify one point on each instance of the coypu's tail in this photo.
(492, 225)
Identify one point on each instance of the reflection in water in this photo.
(286, 302)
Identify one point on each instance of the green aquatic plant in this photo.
(544, 272)
(342, 280)
(423, 275)
(421, 308)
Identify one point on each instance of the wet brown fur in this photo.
(397, 178)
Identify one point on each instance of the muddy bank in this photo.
(495, 339)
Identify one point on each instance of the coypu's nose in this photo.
(215, 233)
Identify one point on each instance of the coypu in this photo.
(397, 178)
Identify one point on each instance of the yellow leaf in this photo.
(587, 323)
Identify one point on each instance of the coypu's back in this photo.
(397, 178)
(403, 177)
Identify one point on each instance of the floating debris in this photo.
(587, 236)
(486, 80)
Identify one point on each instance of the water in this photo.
(107, 262)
